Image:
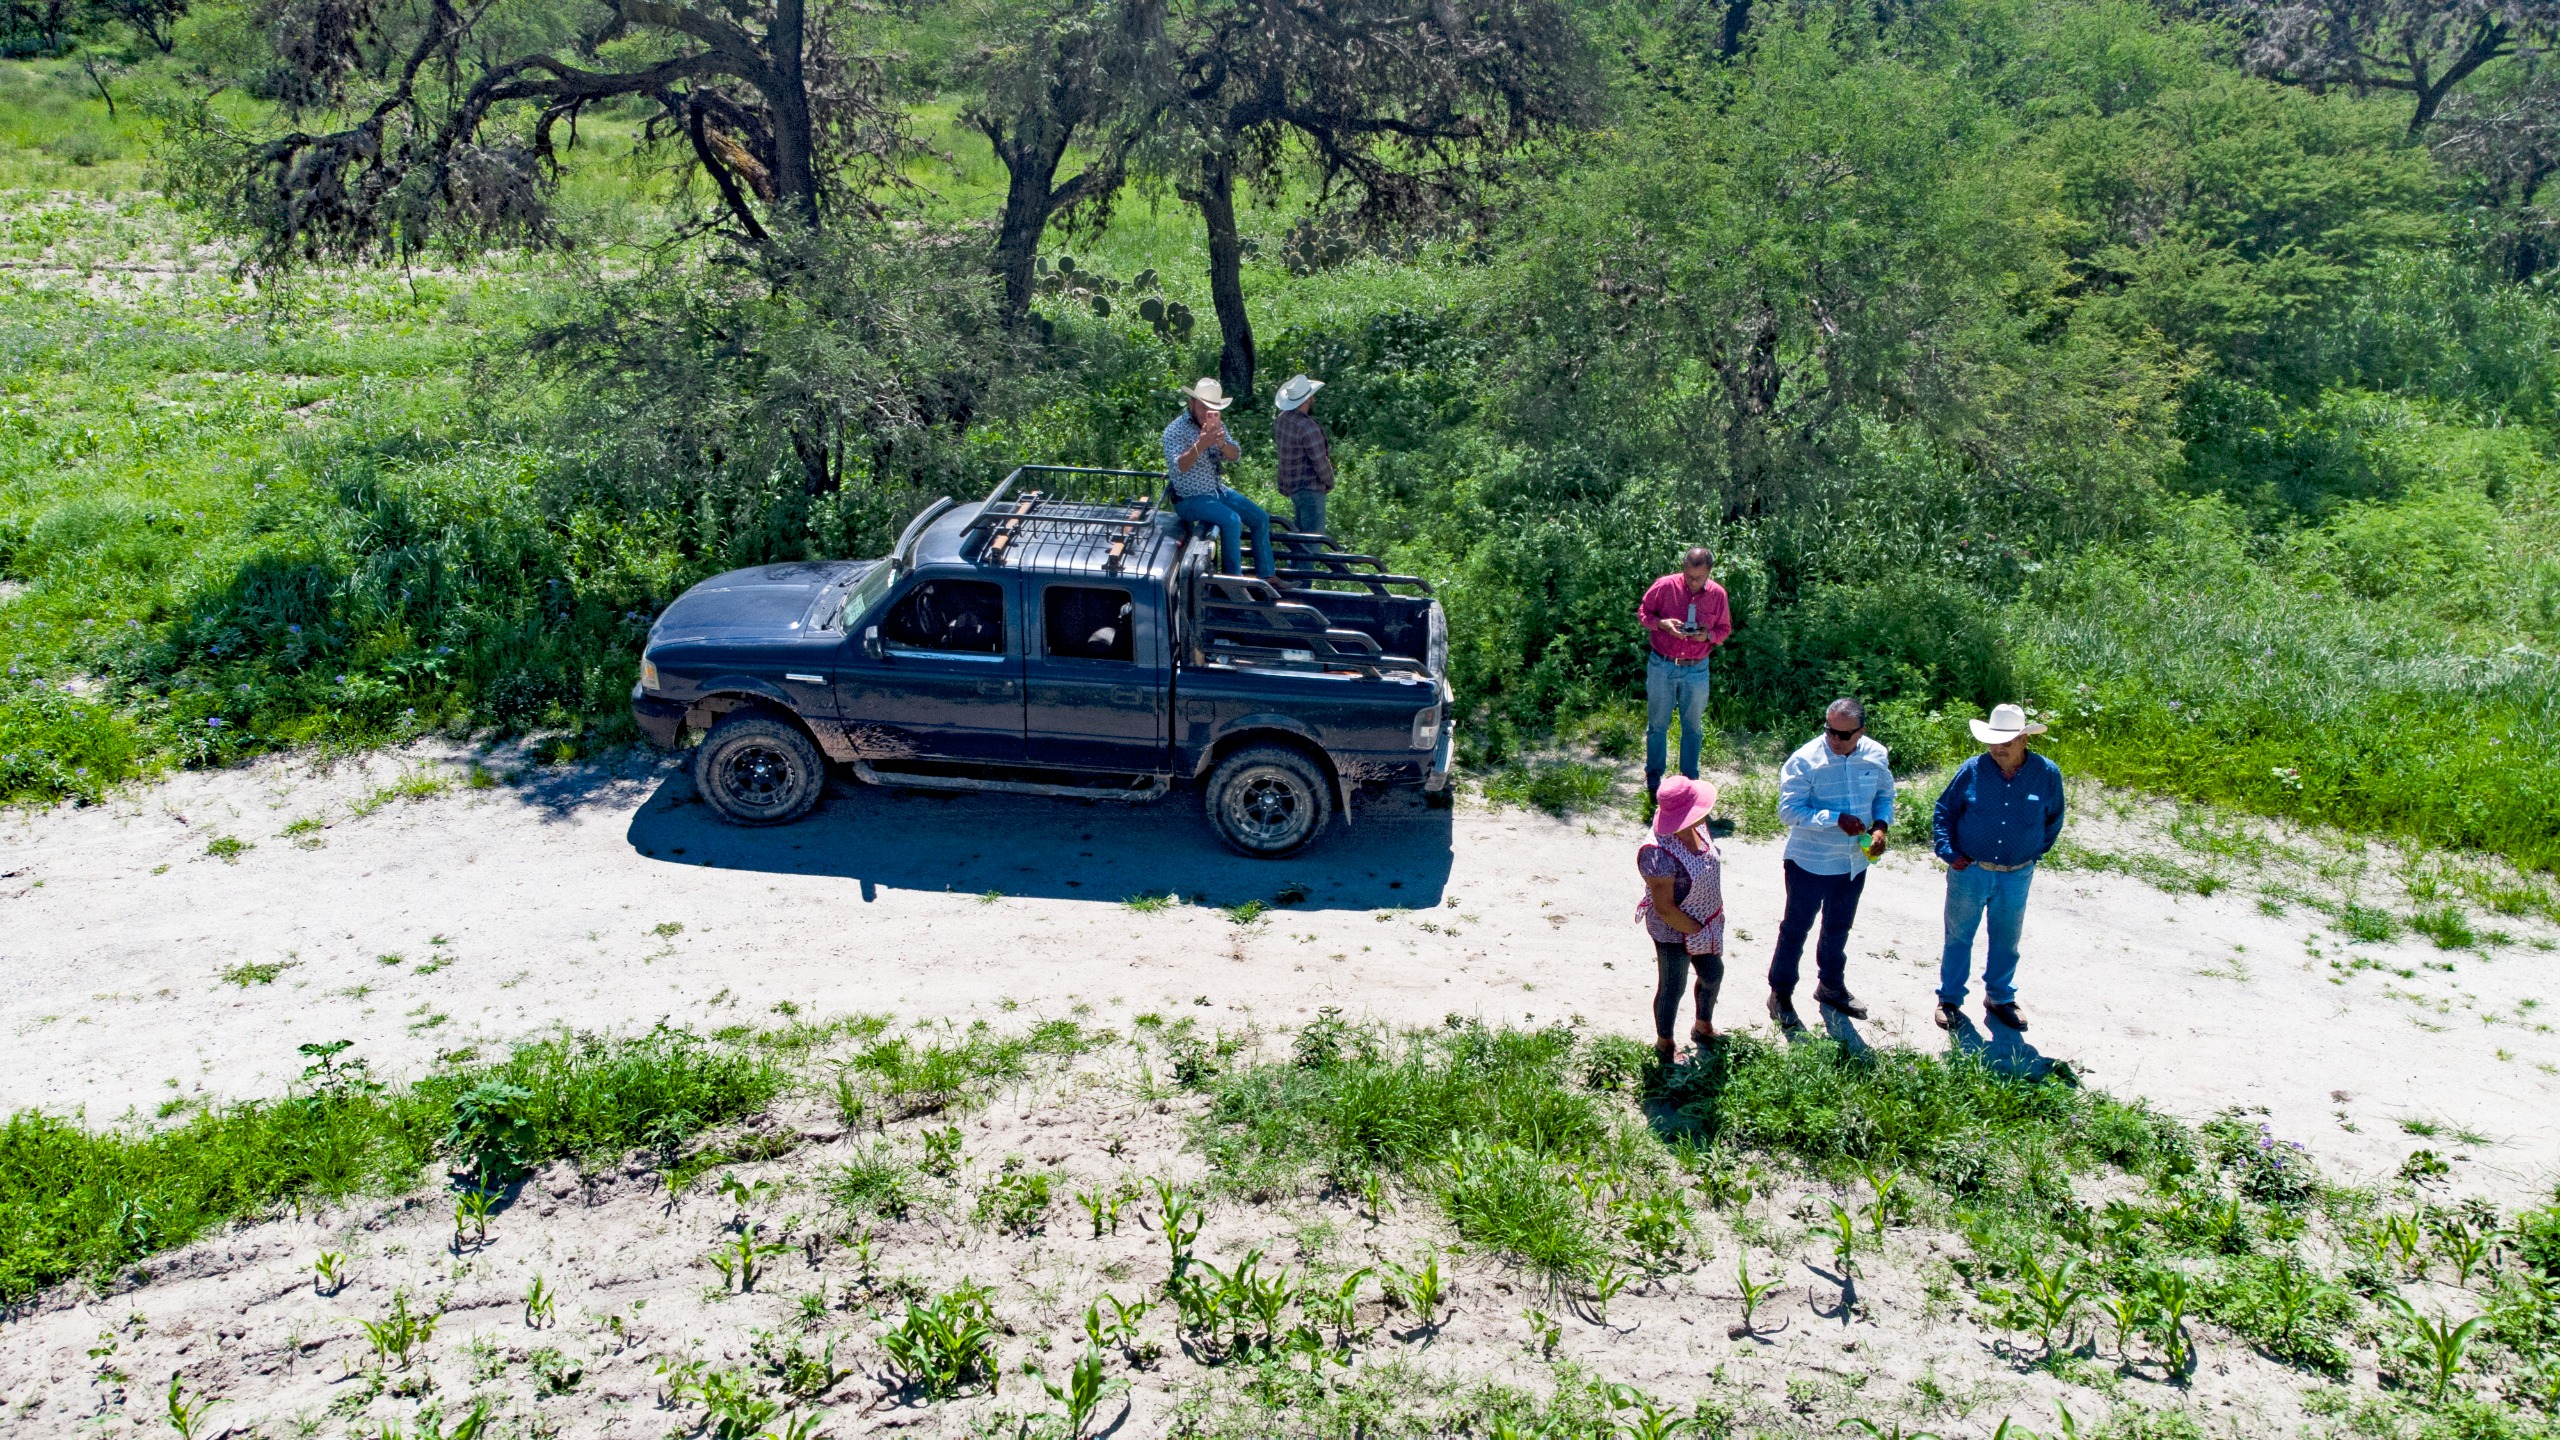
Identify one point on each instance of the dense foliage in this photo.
(2072, 350)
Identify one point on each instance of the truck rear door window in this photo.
(1089, 622)
(964, 616)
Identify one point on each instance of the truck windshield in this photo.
(866, 593)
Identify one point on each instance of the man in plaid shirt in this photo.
(1305, 455)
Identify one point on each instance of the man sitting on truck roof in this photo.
(1195, 446)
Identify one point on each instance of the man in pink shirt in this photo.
(1685, 618)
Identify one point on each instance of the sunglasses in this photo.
(1839, 734)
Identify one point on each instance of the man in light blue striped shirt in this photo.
(1836, 797)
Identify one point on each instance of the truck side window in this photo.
(1089, 623)
(958, 615)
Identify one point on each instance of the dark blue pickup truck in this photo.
(1054, 646)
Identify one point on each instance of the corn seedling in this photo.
(2130, 1311)
(944, 1343)
(1339, 1308)
(1606, 1279)
(1083, 1393)
(1886, 1185)
(539, 1302)
(1649, 1420)
(2053, 1295)
(1104, 1207)
(741, 1260)
(331, 1270)
(186, 1414)
(2403, 1235)
(2462, 1247)
(2441, 1344)
(1884, 1432)
(402, 1331)
(1844, 1241)
(1179, 1214)
(2294, 1289)
(1420, 1286)
(471, 1211)
(1753, 1292)
(1121, 1329)
(732, 1407)
(2171, 1293)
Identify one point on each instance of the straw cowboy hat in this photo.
(1297, 392)
(1208, 392)
(2007, 723)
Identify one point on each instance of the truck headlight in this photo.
(1426, 728)
(648, 673)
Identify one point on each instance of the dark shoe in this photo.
(1949, 1016)
(1783, 1010)
(1702, 1035)
(1663, 1049)
(2007, 1015)
(1842, 1001)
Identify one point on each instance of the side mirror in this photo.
(871, 645)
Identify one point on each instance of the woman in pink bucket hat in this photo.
(1683, 909)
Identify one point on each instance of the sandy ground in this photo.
(475, 916)
(605, 897)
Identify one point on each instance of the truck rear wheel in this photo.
(754, 769)
(1268, 801)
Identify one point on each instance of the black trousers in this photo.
(1835, 899)
(1672, 963)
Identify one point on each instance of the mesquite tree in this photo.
(2424, 47)
(1047, 78)
(1405, 111)
(449, 110)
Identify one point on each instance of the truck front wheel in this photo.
(1268, 801)
(755, 769)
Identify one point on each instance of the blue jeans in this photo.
(1833, 898)
(1669, 688)
(1972, 892)
(1310, 507)
(1232, 514)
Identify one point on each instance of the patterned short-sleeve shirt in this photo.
(1200, 480)
(1656, 862)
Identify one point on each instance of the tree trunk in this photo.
(1030, 198)
(795, 174)
(1216, 197)
(1737, 23)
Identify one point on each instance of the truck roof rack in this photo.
(1036, 529)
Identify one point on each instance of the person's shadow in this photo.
(1394, 853)
(2004, 1050)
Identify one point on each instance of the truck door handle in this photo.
(995, 687)
(1127, 695)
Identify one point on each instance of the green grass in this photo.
(76, 1202)
(1559, 787)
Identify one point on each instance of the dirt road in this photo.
(607, 897)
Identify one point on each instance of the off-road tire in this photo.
(758, 769)
(1267, 801)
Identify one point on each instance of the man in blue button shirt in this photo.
(2000, 812)
(1836, 796)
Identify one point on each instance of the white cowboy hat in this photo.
(2007, 723)
(1208, 392)
(1297, 392)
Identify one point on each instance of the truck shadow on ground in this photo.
(1394, 854)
